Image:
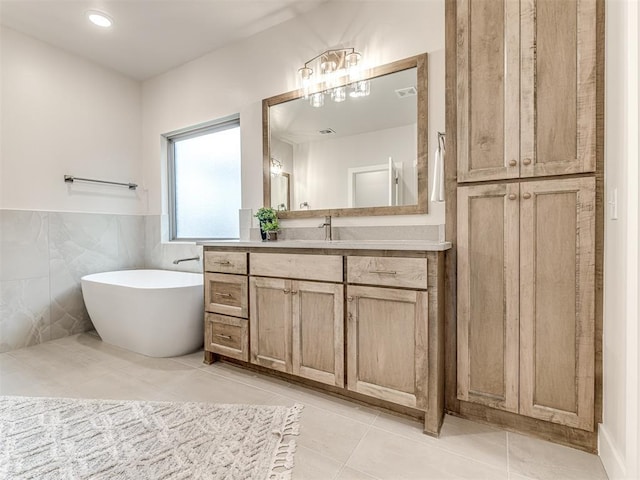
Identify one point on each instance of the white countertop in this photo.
(423, 245)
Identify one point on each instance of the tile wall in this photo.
(43, 255)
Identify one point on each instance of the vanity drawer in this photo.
(226, 336)
(388, 271)
(225, 262)
(226, 294)
(326, 268)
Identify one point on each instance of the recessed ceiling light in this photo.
(100, 19)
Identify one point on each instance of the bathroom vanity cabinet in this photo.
(362, 323)
(226, 304)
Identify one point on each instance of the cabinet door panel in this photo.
(488, 295)
(558, 87)
(270, 323)
(488, 89)
(387, 344)
(318, 332)
(557, 301)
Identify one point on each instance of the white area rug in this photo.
(62, 438)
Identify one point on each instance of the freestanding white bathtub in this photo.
(158, 313)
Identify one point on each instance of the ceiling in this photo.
(148, 37)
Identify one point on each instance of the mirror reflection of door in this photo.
(375, 185)
(280, 196)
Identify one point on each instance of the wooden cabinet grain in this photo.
(226, 304)
(526, 267)
(387, 344)
(297, 327)
(526, 88)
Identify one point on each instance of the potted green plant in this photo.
(269, 225)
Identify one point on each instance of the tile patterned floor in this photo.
(338, 440)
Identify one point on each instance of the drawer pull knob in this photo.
(226, 337)
(294, 292)
(512, 196)
(286, 290)
(226, 295)
(526, 196)
(527, 161)
(512, 163)
(384, 272)
(349, 298)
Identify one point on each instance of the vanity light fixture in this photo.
(99, 19)
(331, 71)
(276, 167)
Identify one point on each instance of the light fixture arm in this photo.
(327, 53)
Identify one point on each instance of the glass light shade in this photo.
(276, 167)
(360, 89)
(339, 94)
(353, 59)
(317, 99)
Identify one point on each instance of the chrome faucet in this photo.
(327, 228)
(177, 261)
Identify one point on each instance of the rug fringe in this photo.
(282, 460)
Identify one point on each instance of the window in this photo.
(205, 182)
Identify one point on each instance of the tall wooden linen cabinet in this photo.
(526, 131)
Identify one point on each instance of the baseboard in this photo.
(611, 458)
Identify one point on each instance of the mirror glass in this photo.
(362, 155)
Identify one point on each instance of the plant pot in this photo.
(272, 236)
(263, 234)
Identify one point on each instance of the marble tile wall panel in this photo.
(24, 244)
(43, 256)
(24, 313)
(81, 244)
(398, 232)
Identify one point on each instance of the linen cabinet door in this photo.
(270, 323)
(488, 268)
(318, 331)
(558, 99)
(387, 344)
(557, 316)
(488, 89)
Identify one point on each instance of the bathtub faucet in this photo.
(177, 261)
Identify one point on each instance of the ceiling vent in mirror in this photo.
(326, 131)
(406, 92)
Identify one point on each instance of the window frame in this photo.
(171, 138)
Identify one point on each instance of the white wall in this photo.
(619, 434)
(320, 167)
(65, 115)
(236, 78)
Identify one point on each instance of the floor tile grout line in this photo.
(370, 426)
(508, 458)
(439, 447)
(296, 399)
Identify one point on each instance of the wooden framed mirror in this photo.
(363, 156)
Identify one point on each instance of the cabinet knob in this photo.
(513, 163)
(512, 196)
(349, 298)
(527, 161)
(286, 290)
(526, 196)
(294, 292)
(350, 316)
